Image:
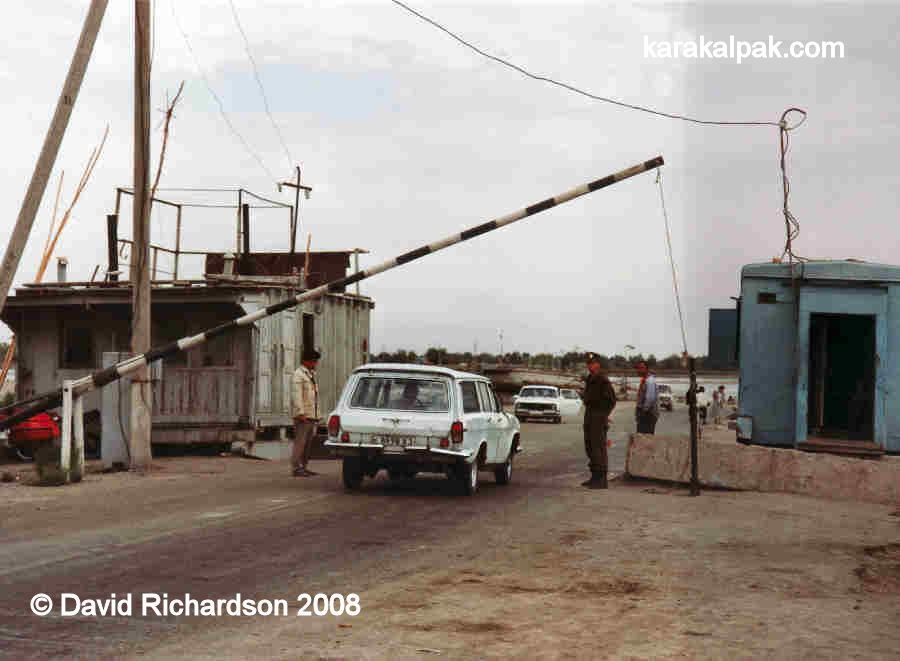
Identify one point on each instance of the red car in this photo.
(30, 434)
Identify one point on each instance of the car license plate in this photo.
(396, 443)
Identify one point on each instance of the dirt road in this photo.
(539, 569)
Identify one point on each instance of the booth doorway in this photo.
(842, 377)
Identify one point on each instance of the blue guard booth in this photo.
(819, 356)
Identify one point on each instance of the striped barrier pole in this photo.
(126, 367)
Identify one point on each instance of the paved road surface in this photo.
(256, 531)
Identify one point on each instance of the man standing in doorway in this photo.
(599, 402)
(646, 411)
(305, 411)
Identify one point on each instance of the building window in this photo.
(309, 332)
(77, 348)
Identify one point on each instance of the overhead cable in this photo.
(792, 227)
(218, 100)
(262, 91)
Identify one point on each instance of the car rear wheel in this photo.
(503, 474)
(352, 472)
(467, 474)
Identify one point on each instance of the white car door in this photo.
(504, 428)
(473, 418)
(494, 419)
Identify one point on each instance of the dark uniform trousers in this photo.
(595, 428)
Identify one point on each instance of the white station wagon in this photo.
(419, 418)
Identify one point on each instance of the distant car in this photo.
(664, 392)
(570, 404)
(539, 403)
(409, 418)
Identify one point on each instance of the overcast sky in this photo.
(407, 136)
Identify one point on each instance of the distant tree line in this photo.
(565, 361)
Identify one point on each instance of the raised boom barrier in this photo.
(103, 377)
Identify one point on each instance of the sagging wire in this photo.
(662, 201)
(792, 227)
(262, 90)
(218, 101)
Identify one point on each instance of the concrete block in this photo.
(726, 463)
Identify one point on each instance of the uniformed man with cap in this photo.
(599, 402)
(305, 411)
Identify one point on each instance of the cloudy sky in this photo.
(407, 136)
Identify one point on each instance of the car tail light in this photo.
(445, 443)
(456, 432)
(345, 436)
(334, 425)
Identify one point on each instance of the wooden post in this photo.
(112, 246)
(245, 210)
(65, 446)
(140, 254)
(296, 212)
(177, 242)
(155, 257)
(237, 241)
(77, 472)
(52, 141)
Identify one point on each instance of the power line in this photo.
(792, 226)
(218, 100)
(572, 88)
(259, 82)
(671, 258)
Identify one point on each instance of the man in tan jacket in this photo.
(305, 411)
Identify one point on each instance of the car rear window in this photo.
(538, 392)
(396, 393)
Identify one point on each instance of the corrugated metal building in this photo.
(234, 387)
(819, 356)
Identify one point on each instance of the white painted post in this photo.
(78, 436)
(66, 440)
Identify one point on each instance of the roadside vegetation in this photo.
(560, 360)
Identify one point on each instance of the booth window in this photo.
(77, 348)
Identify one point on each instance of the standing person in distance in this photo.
(599, 402)
(305, 411)
(646, 411)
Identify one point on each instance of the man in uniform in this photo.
(599, 402)
(305, 411)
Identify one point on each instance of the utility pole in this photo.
(692, 414)
(52, 141)
(307, 191)
(141, 393)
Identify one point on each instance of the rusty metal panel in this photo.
(323, 266)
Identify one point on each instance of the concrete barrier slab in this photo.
(727, 463)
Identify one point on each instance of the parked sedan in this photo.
(419, 418)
